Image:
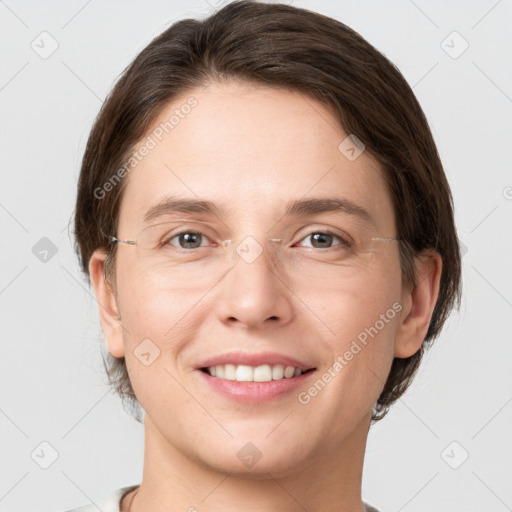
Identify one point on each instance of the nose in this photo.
(253, 291)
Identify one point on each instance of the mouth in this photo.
(254, 378)
(261, 373)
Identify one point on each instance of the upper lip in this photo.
(257, 359)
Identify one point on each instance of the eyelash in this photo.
(344, 242)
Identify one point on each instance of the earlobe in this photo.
(107, 304)
(419, 305)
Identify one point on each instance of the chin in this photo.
(255, 460)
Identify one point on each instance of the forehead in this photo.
(251, 150)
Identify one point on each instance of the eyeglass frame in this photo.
(224, 243)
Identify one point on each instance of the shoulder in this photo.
(110, 503)
(369, 508)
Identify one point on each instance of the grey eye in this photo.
(323, 239)
(189, 239)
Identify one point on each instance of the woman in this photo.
(269, 232)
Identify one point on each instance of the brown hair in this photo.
(288, 47)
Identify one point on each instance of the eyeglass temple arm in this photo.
(387, 239)
(118, 241)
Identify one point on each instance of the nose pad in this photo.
(249, 249)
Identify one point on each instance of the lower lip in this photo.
(255, 392)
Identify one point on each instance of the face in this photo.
(252, 150)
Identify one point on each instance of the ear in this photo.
(107, 304)
(418, 305)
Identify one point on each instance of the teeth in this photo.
(245, 373)
(229, 371)
(289, 371)
(263, 373)
(277, 372)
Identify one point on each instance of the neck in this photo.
(174, 481)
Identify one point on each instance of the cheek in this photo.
(148, 306)
(362, 322)
(359, 345)
(360, 352)
(154, 338)
(350, 307)
(159, 322)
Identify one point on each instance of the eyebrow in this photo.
(295, 208)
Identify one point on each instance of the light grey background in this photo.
(52, 384)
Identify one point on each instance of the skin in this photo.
(250, 149)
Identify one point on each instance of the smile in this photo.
(261, 373)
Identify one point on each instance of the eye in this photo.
(189, 239)
(323, 240)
